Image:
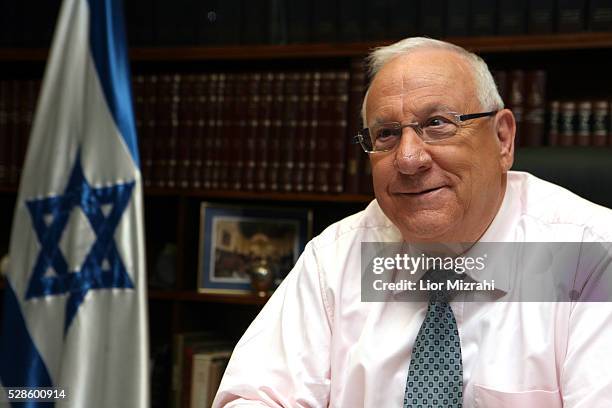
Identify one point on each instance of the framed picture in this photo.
(233, 239)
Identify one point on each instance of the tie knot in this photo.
(442, 280)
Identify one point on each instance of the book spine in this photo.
(432, 14)
(225, 135)
(138, 90)
(29, 95)
(322, 159)
(289, 130)
(512, 17)
(535, 89)
(583, 125)
(540, 16)
(198, 136)
(338, 135)
(210, 125)
(276, 160)
(237, 132)
(571, 15)
(457, 18)
(215, 127)
(173, 135)
(567, 117)
(600, 123)
(151, 109)
(483, 17)
(186, 119)
(324, 21)
(516, 102)
(299, 21)
(255, 23)
(377, 19)
(303, 135)
(600, 15)
(312, 136)
(355, 153)
(553, 123)
(351, 20)
(262, 132)
(255, 165)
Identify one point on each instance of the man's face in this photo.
(450, 190)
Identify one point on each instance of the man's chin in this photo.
(428, 228)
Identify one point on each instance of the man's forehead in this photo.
(421, 68)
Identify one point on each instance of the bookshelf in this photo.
(485, 44)
(578, 65)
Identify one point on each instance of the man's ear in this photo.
(505, 127)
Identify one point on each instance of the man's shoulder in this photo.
(368, 225)
(552, 204)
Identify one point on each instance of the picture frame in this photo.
(233, 237)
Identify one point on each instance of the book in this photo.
(535, 106)
(583, 123)
(303, 130)
(208, 368)
(324, 21)
(337, 138)
(4, 131)
(179, 343)
(571, 15)
(567, 118)
(299, 21)
(377, 19)
(431, 17)
(512, 17)
(553, 123)
(540, 16)
(599, 15)
(289, 130)
(516, 102)
(483, 17)
(601, 120)
(355, 153)
(350, 20)
(255, 22)
(457, 18)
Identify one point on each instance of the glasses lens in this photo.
(384, 137)
(439, 127)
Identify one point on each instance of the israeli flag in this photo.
(75, 301)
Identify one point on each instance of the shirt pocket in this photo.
(489, 398)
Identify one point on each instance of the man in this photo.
(441, 146)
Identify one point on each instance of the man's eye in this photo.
(437, 121)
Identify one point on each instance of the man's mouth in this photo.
(422, 192)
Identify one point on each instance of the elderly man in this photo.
(441, 146)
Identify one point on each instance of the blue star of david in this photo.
(102, 267)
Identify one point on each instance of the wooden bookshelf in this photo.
(192, 296)
(494, 44)
(260, 195)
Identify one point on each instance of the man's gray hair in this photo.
(486, 90)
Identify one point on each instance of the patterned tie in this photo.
(435, 376)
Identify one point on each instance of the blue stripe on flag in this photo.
(20, 363)
(108, 46)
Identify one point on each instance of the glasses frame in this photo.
(418, 129)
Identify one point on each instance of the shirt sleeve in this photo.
(283, 359)
(586, 378)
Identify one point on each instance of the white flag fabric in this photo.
(74, 314)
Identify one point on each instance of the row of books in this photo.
(217, 22)
(580, 123)
(198, 363)
(256, 131)
(524, 92)
(213, 22)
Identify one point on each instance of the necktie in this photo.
(435, 375)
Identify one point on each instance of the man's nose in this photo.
(411, 155)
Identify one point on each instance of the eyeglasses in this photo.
(384, 137)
